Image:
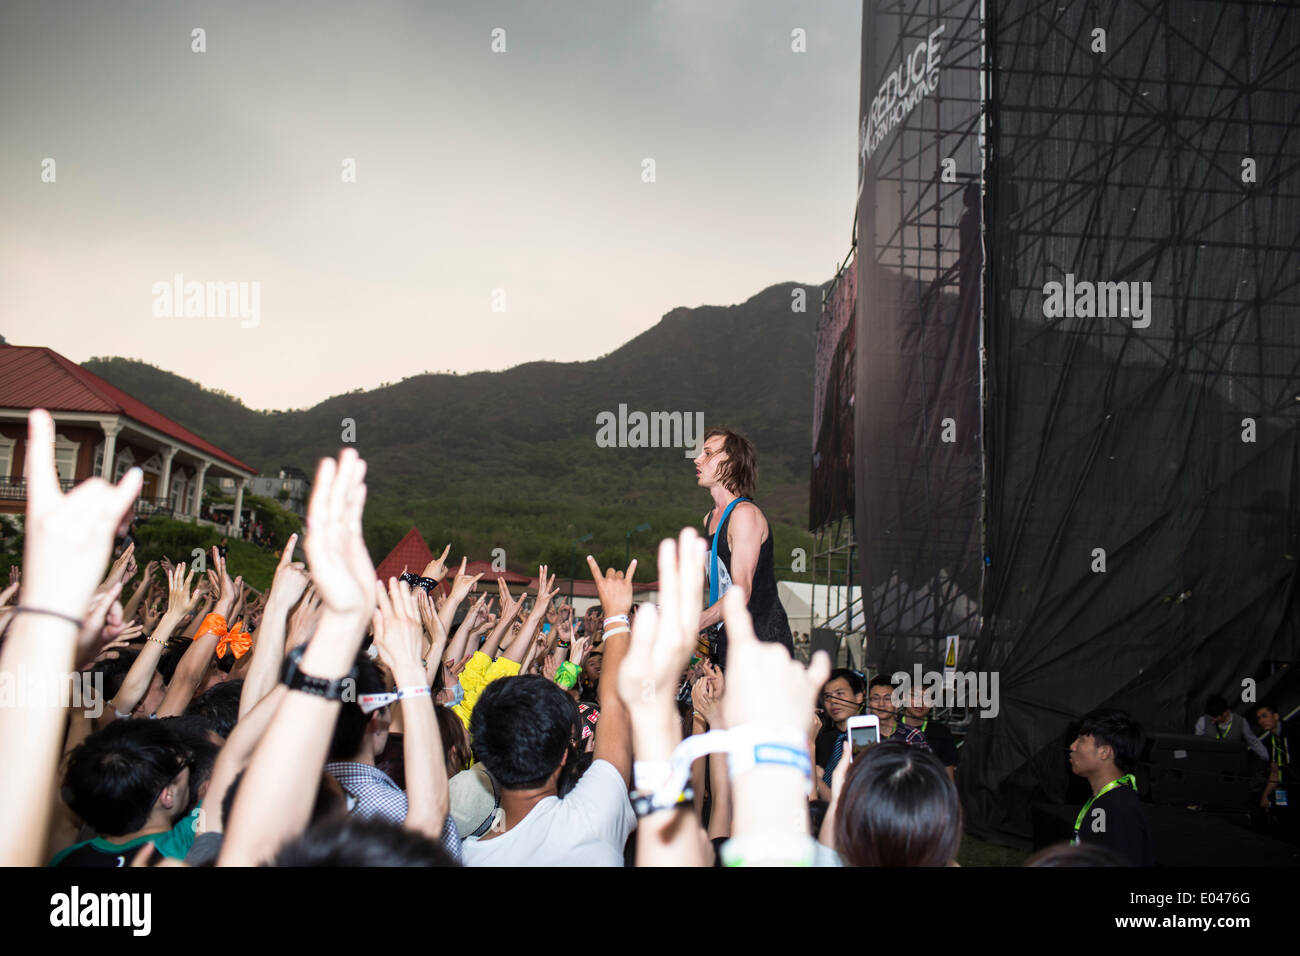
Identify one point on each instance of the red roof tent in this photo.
(411, 554)
(37, 377)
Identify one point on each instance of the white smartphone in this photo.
(863, 730)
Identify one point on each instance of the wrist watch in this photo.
(295, 679)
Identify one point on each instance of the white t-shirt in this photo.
(589, 827)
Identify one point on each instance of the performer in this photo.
(740, 543)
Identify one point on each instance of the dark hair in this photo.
(169, 660)
(857, 684)
(1118, 731)
(898, 808)
(1081, 854)
(350, 729)
(114, 670)
(1215, 705)
(356, 842)
(881, 680)
(521, 728)
(115, 775)
(219, 706)
(451, 730)
(1256, 708)
(192, 731)
(739, 473)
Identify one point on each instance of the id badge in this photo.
(1279, 797)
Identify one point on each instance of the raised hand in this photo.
(153, 613)
(118, 572)
(336, 551)
(613, 587)
(463, 584)
(303, 621)
(399, 632)
(102, 609)
(437, 568)
(578, 649)
(291, 579)
(706, 699)
(179, 599)
(662, 640)
(765, 685)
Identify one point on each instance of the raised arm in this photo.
(646, 686)
(521, 645)
(287, 587)
(769, 696)
(456, 649)
(198, 657)
(461, 586)
(286, 767)
(146, 580)
(67, 543)
(613, 731)
(399, 637)
(138, 678)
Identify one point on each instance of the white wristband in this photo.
(768, 744)
(650, 775)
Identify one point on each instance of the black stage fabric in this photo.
(917, 414)
(1138, 458)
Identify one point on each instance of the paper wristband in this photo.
(372, 702)
(651, 775)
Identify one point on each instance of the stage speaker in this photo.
(1184, 769)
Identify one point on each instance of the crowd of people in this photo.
(339, 720)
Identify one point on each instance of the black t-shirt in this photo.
(941, 741)
(1123, 830)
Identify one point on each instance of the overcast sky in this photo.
(476, 171)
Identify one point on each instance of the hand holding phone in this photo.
(863, 731)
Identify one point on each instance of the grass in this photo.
(975, 852)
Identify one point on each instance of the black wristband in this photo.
(414, 580)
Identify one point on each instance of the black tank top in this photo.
(770, 621)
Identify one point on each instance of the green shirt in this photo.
(174, 843)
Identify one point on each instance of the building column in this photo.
(200, 475)
(239, 506)
(111, 428)
(164, 490)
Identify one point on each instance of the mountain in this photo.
(509, 459)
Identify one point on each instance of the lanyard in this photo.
(1281, 753)
(925, 723)
(713, 554)
(1225, 729)
(1078, 821)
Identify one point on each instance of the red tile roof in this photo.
(411, 554)
(37, 377)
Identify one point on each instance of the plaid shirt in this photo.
(376, 795)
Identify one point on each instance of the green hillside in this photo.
(509, 459)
